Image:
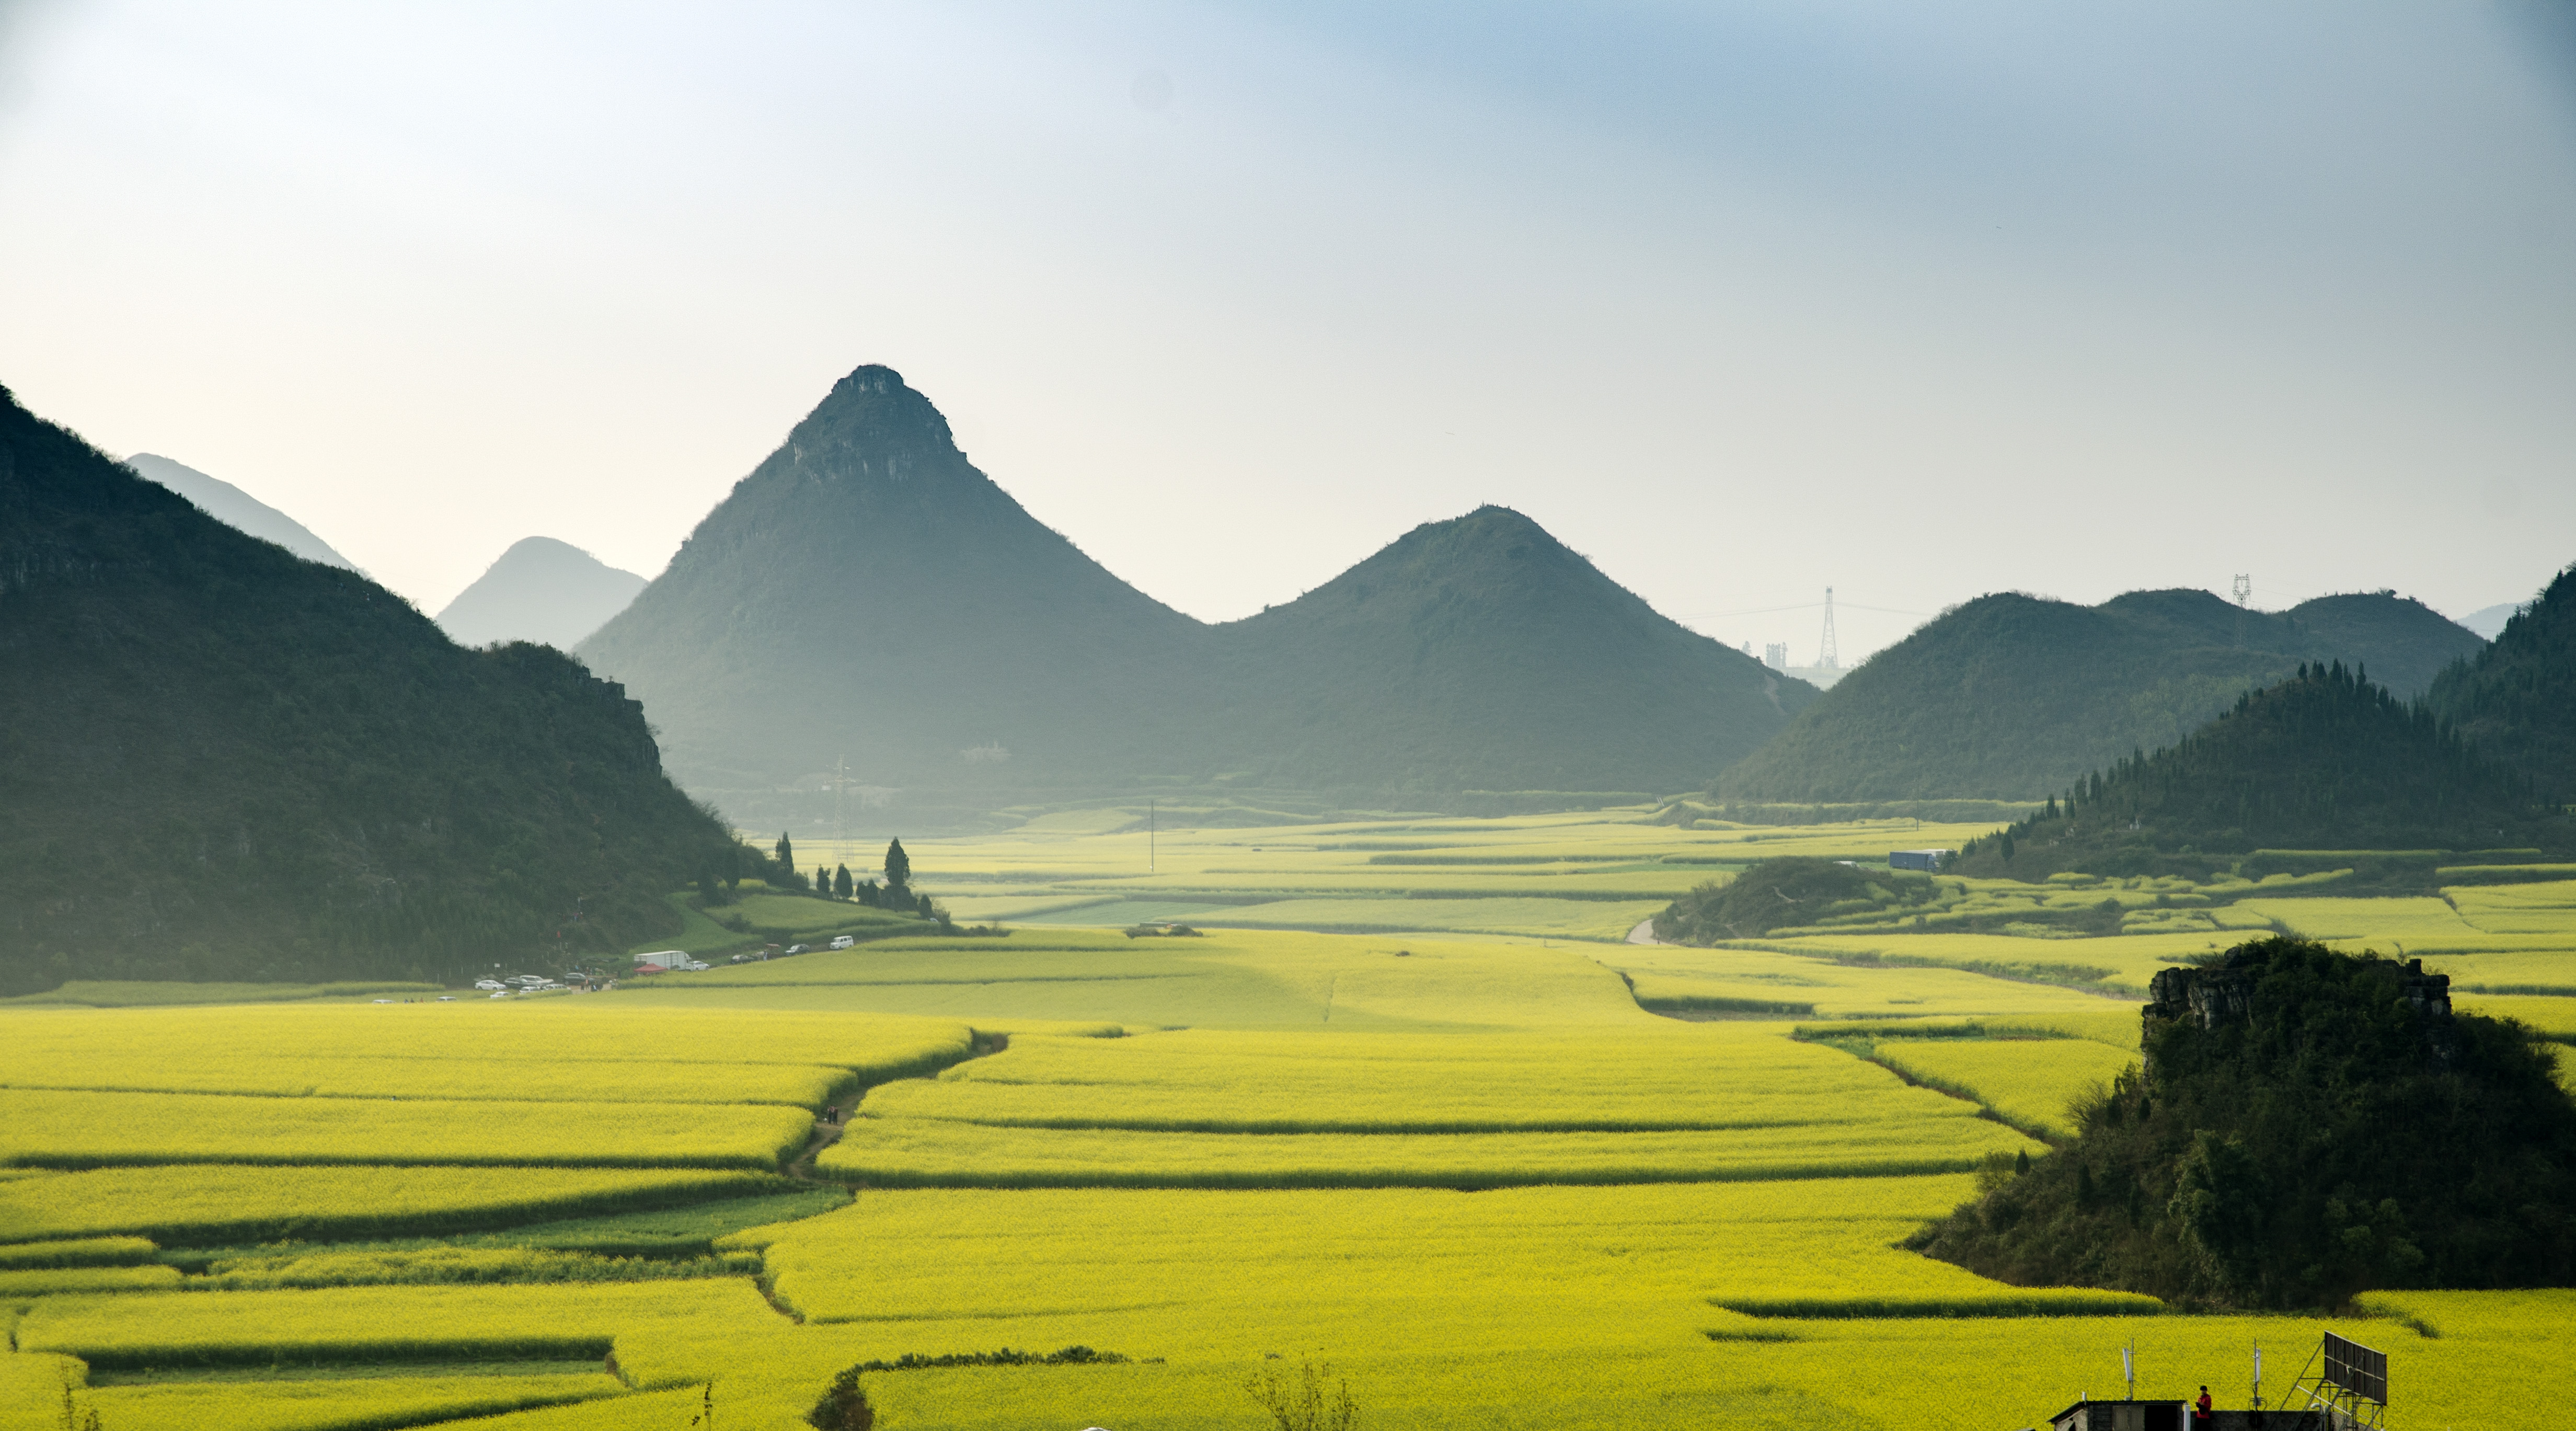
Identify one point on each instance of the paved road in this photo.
(1644, 933)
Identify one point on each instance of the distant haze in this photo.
(236, 508)
(1741, 302)
(540, 590)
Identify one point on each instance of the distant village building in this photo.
(1928, 861)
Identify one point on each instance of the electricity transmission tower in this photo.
(1825, 647)
(2244, 591)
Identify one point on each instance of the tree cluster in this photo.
(1778, 893)
(2329, 1137)
(2515, 701)
(2323, 760)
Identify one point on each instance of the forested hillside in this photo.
(2324, 760)
(225, 762)
(2013, 696)
(2515, 701)
(2307, 1126)
(962, 657)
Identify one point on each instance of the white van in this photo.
(844, 942)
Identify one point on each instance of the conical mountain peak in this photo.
(928, 633)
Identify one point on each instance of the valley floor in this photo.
(1455, 1157)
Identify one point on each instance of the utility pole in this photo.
(1825, 653)
(2244, 591)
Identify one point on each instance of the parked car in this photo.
(793, 949)
(844, 942)
(447, 998)
(489, 984)
(381, 1001)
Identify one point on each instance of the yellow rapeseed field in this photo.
(1675, 1223)
(1660, 1076)
(563, 1029)
(929, 1152)
(2029, 1083)
(325, 1405)
(515, 1080)
(49, 1128)
(216, 1204)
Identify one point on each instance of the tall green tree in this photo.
(841, 882)
(898, 867)
(785, 854)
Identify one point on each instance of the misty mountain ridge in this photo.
(2013, 696)
(1481, 652)
(236, 508)
(927, 628)
(540, 590)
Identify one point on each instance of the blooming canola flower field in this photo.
(1476, 1171)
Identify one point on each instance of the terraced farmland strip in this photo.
(522, 1080)
(340, 1404)
(351, 1324)
(925, 1152)
(203, 1205)
(588, 1029)
(1247, 1081)
(2029, 1083)
(91, 1130)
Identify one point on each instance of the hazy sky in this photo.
(1741, 301)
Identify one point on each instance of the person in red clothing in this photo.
(2200, 1411)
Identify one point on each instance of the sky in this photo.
(1741, 301)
